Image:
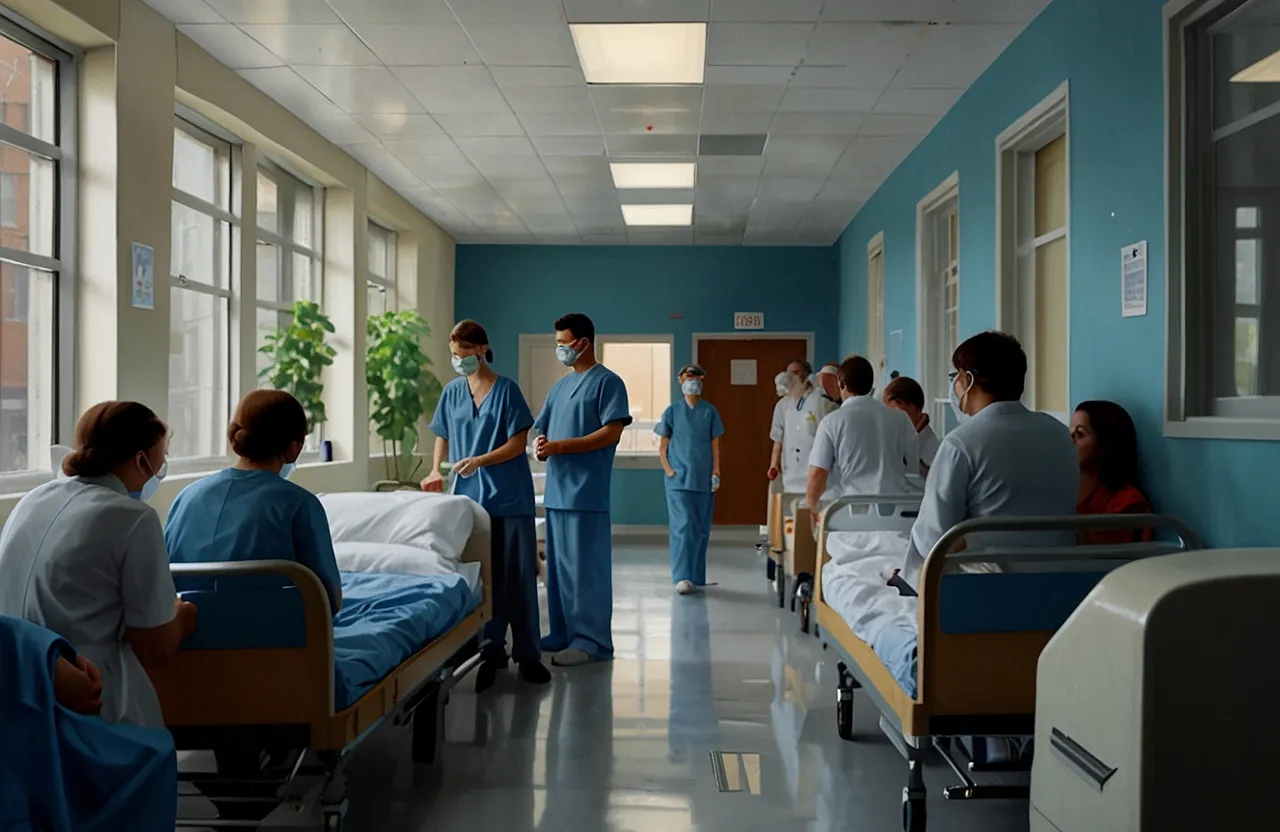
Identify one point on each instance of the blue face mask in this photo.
(151, 486)
(567, 354)
(692, 387)
(468, 366)
(287, 470)
(956, 398)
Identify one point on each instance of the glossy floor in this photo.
(627, 745)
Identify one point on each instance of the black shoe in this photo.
(535, 673)
(488, 674)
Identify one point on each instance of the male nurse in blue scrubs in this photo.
(578, 432)
(690, 452)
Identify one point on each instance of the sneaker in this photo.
(571, 658)
(535, 673)
(684, 587)
(488, 674)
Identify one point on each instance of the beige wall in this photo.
(135, 68)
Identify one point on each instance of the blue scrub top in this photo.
(579, 405)
(504, 490)
(239, 515)
(690, 430)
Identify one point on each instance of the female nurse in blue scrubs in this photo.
(690, 454)
(482, 427)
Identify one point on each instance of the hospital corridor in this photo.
(639, 415)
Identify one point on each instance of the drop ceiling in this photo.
(477, 111)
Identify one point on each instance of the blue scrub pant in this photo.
(579, 582)
(514, 569)
(689, 516)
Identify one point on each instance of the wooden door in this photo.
(747, 412)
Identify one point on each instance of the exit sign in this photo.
(748, 320)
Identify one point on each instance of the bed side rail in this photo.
(229, 672)
(902, 503)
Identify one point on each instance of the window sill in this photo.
(17, 484)
(622, 460)
(1219, 427)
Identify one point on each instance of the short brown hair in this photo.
(473, 335)
(110, 434)
(905, 390)
(857, 376)
(998, 364)
(266, 423)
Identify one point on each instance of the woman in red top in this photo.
(1107, 445)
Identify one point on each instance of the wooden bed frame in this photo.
(801, 558)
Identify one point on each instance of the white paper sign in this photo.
(1133, 280)
(742, 372)
(144, 277)
(748, 320)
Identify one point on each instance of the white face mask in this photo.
(152, 485)
(782, 383)
(567, 354)
(692, 387)
(957, 399)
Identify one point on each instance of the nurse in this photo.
(690, 454)
(251, 511)
(578, 432)
(84, 557)
(482, 427)
(794, 432)
(905, 394)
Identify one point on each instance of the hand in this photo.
(540, 448)
(186, 613)
(715, 482)
(78, 687)
(547, 449)
(671, 473)
(434, 482)
(773, 473)
(467, 467)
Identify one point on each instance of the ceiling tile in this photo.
(447, 173)
(897, 124)
(405, 150)
(399, 125)
(840, 76)
(560, 124)
(758, 44)
(717, 238)
(637, 11)
(939, 11)
(870, 157)
(917, 101)
(290, 89)
(496, 147)
(651, 124)
(275, 11)
(995, 11)
(542, 100)
(568, 145)
(844, 191)
(338, 127)
(232, 47)
(646, 98)
(870, 53)
(397, 12)
(789, 189)
(508, 11)
(817, 124)
(740, 124)
(805, 156)
(472, 125)
(954, 56)
(742, 99)
(660, 236)
(651, 145)
(766, 11)
(453, 89)
(361, 89)
(729, 166)
(386, 166)
(185, 11)
(334, 45)
(537, 76)
(734, 190)
(443, 44)
(524, 45)
(770, 76)
(824, 100)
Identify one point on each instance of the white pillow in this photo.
(847, 547)
(390, 557)
(440, 523)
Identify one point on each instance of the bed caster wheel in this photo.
(844, 714)
(334, 822)
(913, 813)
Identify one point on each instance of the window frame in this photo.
(1190, 410)
(385, 282)
(63, 153)
(200, 464)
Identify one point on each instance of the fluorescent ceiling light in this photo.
(641, 53)
(658, 215)
(657, 175)
(1266, 70)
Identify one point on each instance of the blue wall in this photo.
(1111, 52)
(635, 290)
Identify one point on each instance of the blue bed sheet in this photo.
(387, 618)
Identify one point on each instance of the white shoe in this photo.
(684, 587)
(571, 658)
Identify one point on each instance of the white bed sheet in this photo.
(853, 582)
(401, 559)
(440, 524)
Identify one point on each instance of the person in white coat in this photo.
(794, 427)
(905, 394)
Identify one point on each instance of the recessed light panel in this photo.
(667, 216)
(1264, 71)
(641, 53)
(627, 175)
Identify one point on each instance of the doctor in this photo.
(793, 435)
(690, 454)
(84, 557)
(905, 394)
(578, 431)
(865, 443)
(482, 426)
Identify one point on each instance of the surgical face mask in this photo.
(957, 399)
(151, 486)
(567, 354)
(287, 470)
(692, 387)
(466, 366)
(781, 383)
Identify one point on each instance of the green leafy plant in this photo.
(402, 388)
(299, 354)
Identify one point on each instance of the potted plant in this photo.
(299, 353)
(402, 389)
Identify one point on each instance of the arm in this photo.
(813, 492)
(313, 548)
(517, 419)
(516, 446)
(715, 457)
(662, 456)
(775, 461)
(946, 498)
(155, 619)
(608, 435)
(156, 647)
(434, 481)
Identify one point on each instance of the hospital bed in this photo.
(261, 672)
(791, 546)
(979, 637)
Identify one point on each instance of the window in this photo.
(290, 263)
(644, 364)
(875, 308)
(203, 237)
(938, 324)
(37, 199)
(382, 270)
(1224, 235)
